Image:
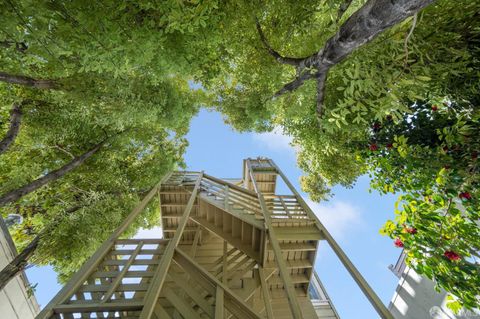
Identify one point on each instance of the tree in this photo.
(431, 156)
(379, 88)
(84, 83)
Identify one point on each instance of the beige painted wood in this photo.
(160, 312)
(190, 291)
(153, 293)
(120, 276)
(100, 307)
(265, 292)
(231, 301)
(219, 303)
(180, 305)
(362, 283)
(81, 276)
(284, 273)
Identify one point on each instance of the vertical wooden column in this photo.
(84, 272)
(361, 282)
(153, 292)
(282, 266)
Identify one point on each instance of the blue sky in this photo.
(353, 216)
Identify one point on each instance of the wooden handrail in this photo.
(238, 188)
(375, 301)
(88, 267)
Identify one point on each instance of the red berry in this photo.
(452, 256)
(465, 195)
(398, 243)
(389, 145)
(373, 147)
(411, 230)
(376, 126)
(434, 108)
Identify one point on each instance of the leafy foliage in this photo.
(126, 69)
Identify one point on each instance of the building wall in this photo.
(322, 304)
(14, 300)
(416, 297)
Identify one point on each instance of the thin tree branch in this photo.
(27, 81)
(405, 44)
(15, 120)
(284, 60)
(343, 7)
(63, 150)
(292, 86)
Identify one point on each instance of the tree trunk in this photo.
(53, 175)
(27, 81)
(15, 118)
(373, 18)
(364, 25)
(18, 263)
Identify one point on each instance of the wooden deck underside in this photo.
(227, 252)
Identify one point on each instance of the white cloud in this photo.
(275, 141)
(155, 232)
(340, 218)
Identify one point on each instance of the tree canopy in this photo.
(364, 87)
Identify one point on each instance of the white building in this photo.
(321, 302)
(15, 303)
(416, 298)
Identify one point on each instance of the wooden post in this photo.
(282, 266)
(153, 292)
(361, 282)
(265, 292)
(81, 276)
(219, 303)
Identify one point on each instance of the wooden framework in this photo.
(227, 252)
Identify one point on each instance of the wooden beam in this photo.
(361, 282)
(231, 301)
(219, 303)
(180, 305)
(277, 251)
(119, 278)
(99, 307)
(92, 263)
(190, 291)
(265, 292)
(153, 292)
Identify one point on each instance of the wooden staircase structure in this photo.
(229, 250)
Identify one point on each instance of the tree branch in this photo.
(53, 175)
(373, 18)
(18, 263)
(364, 25)
(284, 60)
(405, 43)
(27, 81)
(292, 86)
(15, 120)
(321, 83)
